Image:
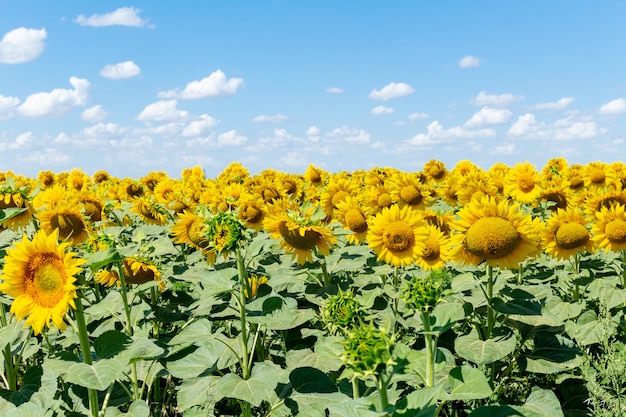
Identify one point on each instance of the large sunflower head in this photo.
(435, 171)
(497, 233)
(609, 229)
(437, 251)
(599, 175)
(16, 198)
(337, 189)
(150, 212)
(556, 190)
(475, 185)
(139, 271)
(565, 234)
(315, 176)
(190, 228)
(71, 223)
(408, 190)
(40, 275)
(353, 216)
(398, 235)
(522, 183)
(46, 178)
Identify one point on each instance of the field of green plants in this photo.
(450, 291)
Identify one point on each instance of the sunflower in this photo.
(497, 233)
(77, 179)
(599, 175)
(497, 172)
(566, 234)
(139, 271)
(11, 198)
(609, 229)
(234, 172)
(556, 189)
(441, 219)
(106, 277)
(315, 176)
(475, 185)
(251, 212)
(408, 190)
(153, 179)
(46, 178)
(150, 212)
(337, 189)
(574, 174)
(101, 176)
(554, 168)
(189, 228)
(301, 232)
(464, 167)
(269, 190)
(437, 252)
(378, 197)
(351, 214)
(40, 276)
(522, 183)
(398, 235)
(595, 199)
(435, 171)
(70, 222)
(223, 233)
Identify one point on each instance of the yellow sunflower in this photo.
(522, 182)
(437, 252)
(139, 271)
(475, 185)
(46, 178)
(497, 172)
(351, 214)
(378, 197)
(234, 172)
(69, 221)
(599, 175)
(556, 189)
(398, 235)
(251, 212)
(497, 233)
(565, 233)
(16, 199)
(100, 177)
(408, 190)
(315, 176)
(106, 277)
(337, 189)
(574, 175)
(435, 171)
(300, 233)
(555, 167)
(189, 228)
(150, 212)
(609, 229)
(40, 276)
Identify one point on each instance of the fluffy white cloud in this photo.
(392, 90)
(58, 102)
(488, 116)
(276, 118)
(560, 104)
(505, 148)
(435, 134)
(334, 90)
(120, 71)
(163, 110)
(616, 106)
(22, 45)
(215, 85)
(231, 138)
(312, 131)
(22, 141)
(124, 16)
(522, 125)
(378, 110)
(93, 114)
(418, 116)
(469, 61)
(502, 100)
(569, 128)
(350, 135)
(200, 127)
(8, 106)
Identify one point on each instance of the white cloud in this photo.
(505, 148)
(22, 45)
(7, 106)
(93, 114)
(616, 106)
(435, 134)
(334, 90)
(120, 71)
(569, 128)
(46, 158)
(312, 131)
(350, 135)
(469, 61)
(560, 104)
(392, 90)
(418, 116)
(502, 100)
(488, 116)
(200, 127)
(163, 110)
(231, 138)
(56, 103)
(276, 118)
(378, 110)
(215, 85)
(22, 141)
(124, 16)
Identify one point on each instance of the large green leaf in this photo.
(419, 403)
(275, 312)
(307, 357)
(308, 380)
(198, 392)
(551, 354)
(256, 389)
(540, 403)
(467, 383)
(482, 352)
(138, 408)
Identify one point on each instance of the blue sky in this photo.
(132, 87)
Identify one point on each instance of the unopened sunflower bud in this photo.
(368, 350)
(423, 293)
(342, 311)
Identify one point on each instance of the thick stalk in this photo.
(624, 268)
(430, 351)
(85, 348)
(491, 314)
(9, 365)
(576, 266)
(355, 389)
(381, 384)
(246, 364)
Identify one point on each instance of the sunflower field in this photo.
(451, 291)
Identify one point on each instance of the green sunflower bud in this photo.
(423, 293)
(368, 350)
(223, 232)
(342, 311)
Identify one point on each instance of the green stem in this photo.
(624, 268)
(327, 280)
(85, 348)
(246, 363)
(491, 314)
(576, 266)
(355, 389)
(382, 391)
(430, 351)
(9, 365)
(154, 295)
(520, 274)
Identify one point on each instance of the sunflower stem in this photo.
(9, 365)
(491, 316)
(430, 351)
(246, 363)
(624, 268)
(355, 389)
(154, 295)
(381, 384)
(85, 348)
(576, 266)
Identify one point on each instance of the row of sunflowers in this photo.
(63, 241)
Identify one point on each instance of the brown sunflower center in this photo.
(356, 220)
(297, 240)
(11, 203)
(93, 210)
(134, 190)
(143, 274)
(69, 225)
(269, 194)
(436, 172)
(290, 186)
(616, 231)
(492, 238)
(571, 235)
(410, 195)
(609, 201)
(338, 197)
(45, 279)
(576, 182)
(556, 197)
(526, 183)
(252, 214)
(398, 236)
(432, 251)
(384, 200)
